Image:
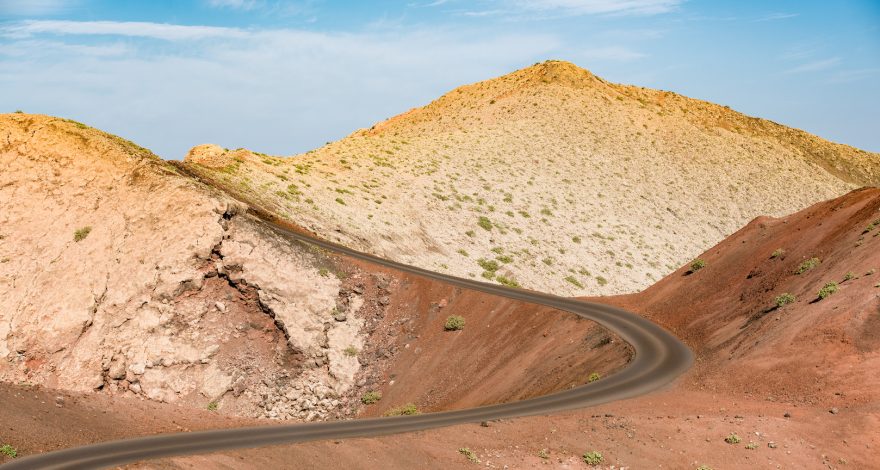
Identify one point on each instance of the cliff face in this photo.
(119, 274)
(550, 178)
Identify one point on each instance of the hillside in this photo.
(122, 277)
(550, 178)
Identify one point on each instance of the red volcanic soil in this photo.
(798, 384)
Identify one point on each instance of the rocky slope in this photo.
(118, 274)
(550, 178)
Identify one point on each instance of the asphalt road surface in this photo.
(659, 358)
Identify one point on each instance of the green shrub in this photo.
(504, 259)
(732, 438)
(601, 280)
(544, 454)
(454, 323)
(81, 233)
(827, 290)
(808, 265)
(8, 451)
(784, 299)
(697, 265)
(409, 409)
(340, 201)
(470, 233)
(593, 458)
(463, 253)
(777, 253)
(573, 281)
(371, 397)
(213, 406)
(506, 281)
(484, 223)
(576, 239)
(488, 264)
(469, 454)
(594, 377)
(351, 351)
(704, 467)
(849, 276)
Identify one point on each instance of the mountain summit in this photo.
(550, 178)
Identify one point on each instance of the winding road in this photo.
(659, 358)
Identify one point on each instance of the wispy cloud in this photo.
(611, 53)
(562, 8)
(168, 32)
(815, 65)
(34, 7)
(233, 4)
(776, 16)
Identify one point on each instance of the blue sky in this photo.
(284, 77)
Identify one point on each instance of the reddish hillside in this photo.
(810, 350)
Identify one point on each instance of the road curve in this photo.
(659, 358)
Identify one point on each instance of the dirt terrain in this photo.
(550, 178)
(122, 279)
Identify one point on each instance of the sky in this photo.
(283, 77)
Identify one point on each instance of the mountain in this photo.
(550, 178)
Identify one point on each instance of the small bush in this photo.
(544, 454)
(81, 233)
(594, 377)
(213, 406)
(488, 264)
(340, 201)
(732, 438)
(409, 409)
(593, 458)
(484, 223)
(808, 265)
(469, 454)
(827, 290)
(576, 239)
(601, 280)
(704, 467)
(454, 323)
(697, 265)
(849, 276)
(506, 281)
(784, 299)
(752, 445)
(573, 281)
(777, 253)
(371, 397)
(463, 253)
(8, 451)
(350, 351)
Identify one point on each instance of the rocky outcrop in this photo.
(117, 274)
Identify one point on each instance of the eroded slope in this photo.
(550, 178)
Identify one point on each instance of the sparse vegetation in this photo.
(697, 265)
(808, 265)
(506, 281)
(849, 276)
(351, 351)
(777, 253)
(454, 323)
(594, 377)
(213, 406)
(409, 409)
(573, 281)
(463, 253)
(704, 467)
(469, 454)
(484, 223)
(8, 451)
(371, 397)
(827, 290)
(732, 438)
(81, 233)
(593, 458)
(323, 272)
(752, 445)
(601, 280)
(784, 299)
(543, 454)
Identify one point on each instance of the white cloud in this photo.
(612, 53)
(777, 16)
(815, 66)
(233, 4)
(278, 91)
(169, 32)
(34, 7)
(594, 7)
